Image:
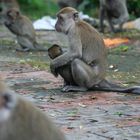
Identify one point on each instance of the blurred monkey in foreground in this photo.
(20, 120)
(116, 13)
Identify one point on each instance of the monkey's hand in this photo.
(53, 70)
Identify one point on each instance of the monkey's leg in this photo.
(110, 23)
(102, 16)
(84, 76)
(25, 43)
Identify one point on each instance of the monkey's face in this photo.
(66, 20)
(12, 15)
(7, 104)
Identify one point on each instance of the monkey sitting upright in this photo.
(22, 27)
(65, 71)
(20, 120)
(86, 55)
(116, 13)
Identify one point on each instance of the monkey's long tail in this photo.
(40, 47)
(108, 86)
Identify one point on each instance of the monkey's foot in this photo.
(74, 88)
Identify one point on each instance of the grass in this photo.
(36, 64)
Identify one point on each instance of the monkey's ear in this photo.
(76, 16)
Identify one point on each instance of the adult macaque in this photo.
(22, 27)
(116, 13)
(5, 5)
(86, 54)
(65, 71)
(20, 120)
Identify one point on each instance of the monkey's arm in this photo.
(64, 59)
(73, 52)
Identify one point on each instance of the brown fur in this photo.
(64, 71)
(26, 122)
(67, 10)
(86, 49)
(86, 54)
(116, 13)
(22, 27)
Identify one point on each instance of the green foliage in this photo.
(89, 7)
(38, 8)
(134, 8)
(122, 48)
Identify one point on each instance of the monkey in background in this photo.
(116, 13)
(23, 28)
(20, 120)
(65, 71)
(86, 55)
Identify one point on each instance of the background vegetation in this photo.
(39, 8)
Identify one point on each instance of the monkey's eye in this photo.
(60, 18)
(76, 16)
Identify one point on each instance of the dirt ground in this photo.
(81, 116)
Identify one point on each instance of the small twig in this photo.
(110, 138)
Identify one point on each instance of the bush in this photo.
(134, 8)
(38, 8)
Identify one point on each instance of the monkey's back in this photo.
(26, 27)
(94, 50)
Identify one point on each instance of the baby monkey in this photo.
(21, 120)
(65, 71)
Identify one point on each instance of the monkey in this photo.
(86, 54)
(65, 71)
(72, 3)
(116, 13)
(22, 27)
(21, 120)
(54, 51)
(5, 5)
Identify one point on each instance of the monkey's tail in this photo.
(108, 86)
(39, 47)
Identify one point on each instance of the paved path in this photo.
(81, 116)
